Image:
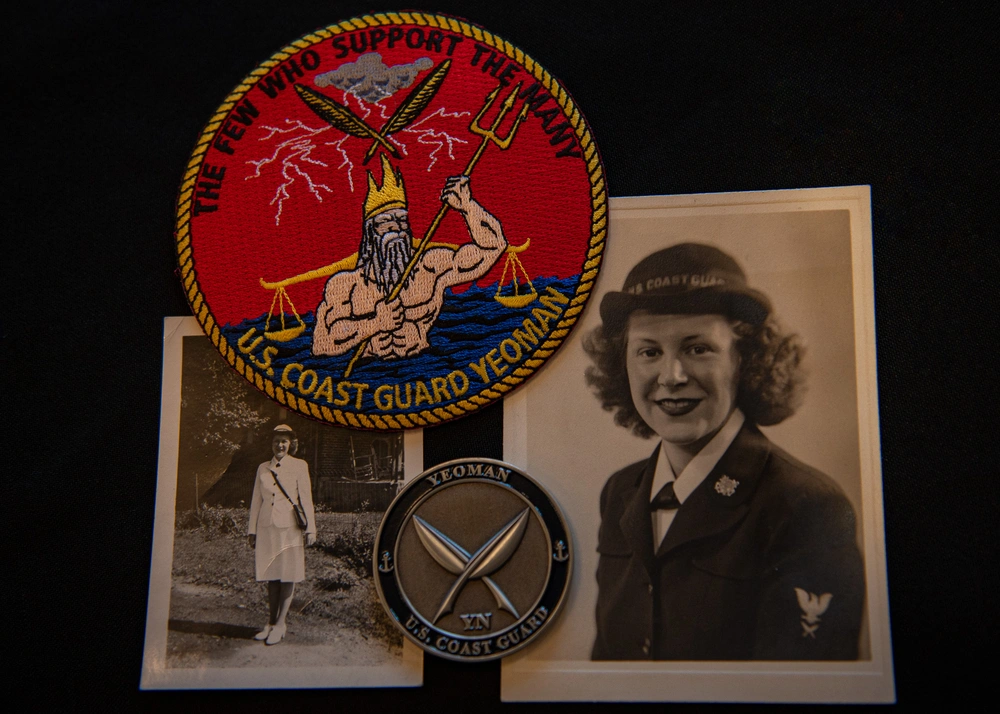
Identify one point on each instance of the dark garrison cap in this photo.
(688, 278)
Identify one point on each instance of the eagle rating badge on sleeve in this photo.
(392, 222)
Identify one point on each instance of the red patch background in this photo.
(532, 192)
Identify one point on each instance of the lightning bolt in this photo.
(346, 160)
(366, 107)
(434, 137)
(428, 136)
(296, 142)
(291, 155)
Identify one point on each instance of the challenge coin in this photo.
(392, 222)
(472, 560)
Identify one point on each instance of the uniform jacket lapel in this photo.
(707, 512)
(289, 488)
(636, 522)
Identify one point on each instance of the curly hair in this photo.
(293, 448)
(771, 385)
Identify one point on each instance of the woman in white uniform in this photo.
(274, 531)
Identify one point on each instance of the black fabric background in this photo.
(102, 103)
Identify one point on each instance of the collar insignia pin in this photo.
(726, 486)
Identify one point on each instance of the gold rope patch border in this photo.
(490, 393)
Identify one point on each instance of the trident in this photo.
(490, 136)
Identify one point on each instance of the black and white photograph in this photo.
(711, 431)
(715, 124)
(261, 572)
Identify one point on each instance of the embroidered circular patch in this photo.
(472, 560)
(392, 222)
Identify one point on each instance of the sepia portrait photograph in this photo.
(711, 431)
(261, 572)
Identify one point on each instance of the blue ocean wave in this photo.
(470, 324)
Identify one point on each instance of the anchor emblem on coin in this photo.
(480, 559)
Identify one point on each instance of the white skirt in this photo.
(280, 554)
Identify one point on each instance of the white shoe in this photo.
(277, 632)
(263, 634)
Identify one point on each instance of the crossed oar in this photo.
(488, 559)
(341, 117)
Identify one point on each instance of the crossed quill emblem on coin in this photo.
(490, 557)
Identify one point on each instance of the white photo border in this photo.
(407, 672)
(532, 676)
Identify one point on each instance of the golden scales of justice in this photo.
(512, 263)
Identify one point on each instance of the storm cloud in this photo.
(370, 79)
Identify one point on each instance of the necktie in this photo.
(665, 499)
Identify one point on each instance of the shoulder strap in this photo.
(278, 484)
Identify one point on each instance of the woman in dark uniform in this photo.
(719, 546)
